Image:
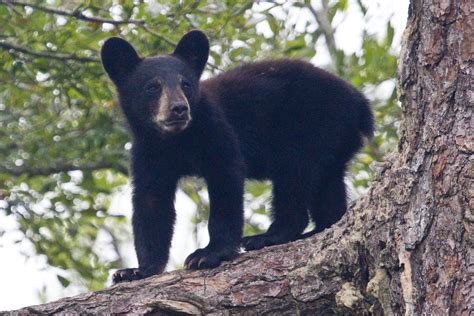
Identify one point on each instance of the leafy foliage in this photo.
(64, 143)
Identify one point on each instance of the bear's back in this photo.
(281, 107)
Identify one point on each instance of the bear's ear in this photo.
(193, 48)
(119, 58)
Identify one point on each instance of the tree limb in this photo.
(310, 276)
(158, 35)
(57, 56)
(325, 27)
(75, 14)
(68, 57)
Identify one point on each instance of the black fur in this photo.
(283, 120)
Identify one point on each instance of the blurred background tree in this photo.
(64, 143)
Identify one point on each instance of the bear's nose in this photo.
(179, 109)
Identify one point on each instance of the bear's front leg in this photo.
(225, 221)
(153, 222)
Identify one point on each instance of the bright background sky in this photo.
(22, 277)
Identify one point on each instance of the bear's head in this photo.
(157, 92)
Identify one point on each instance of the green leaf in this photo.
(389, 36)
(272, 22)
(64, 282)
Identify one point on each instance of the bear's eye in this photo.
(153, 88)
(186, 85)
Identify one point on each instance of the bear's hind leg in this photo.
(328, 201)
(289, 210)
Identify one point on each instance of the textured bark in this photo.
(404, 248)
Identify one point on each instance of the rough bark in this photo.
(404, 248)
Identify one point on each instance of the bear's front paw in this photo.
(127, 275)
(207, 258)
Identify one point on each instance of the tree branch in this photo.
(158, 35)
(61, 167)
(57, 56)
(75, 14)
(325, 27)
(67, 57)
(312, 276)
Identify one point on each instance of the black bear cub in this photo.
(283, 120)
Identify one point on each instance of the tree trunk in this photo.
(404, 248)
